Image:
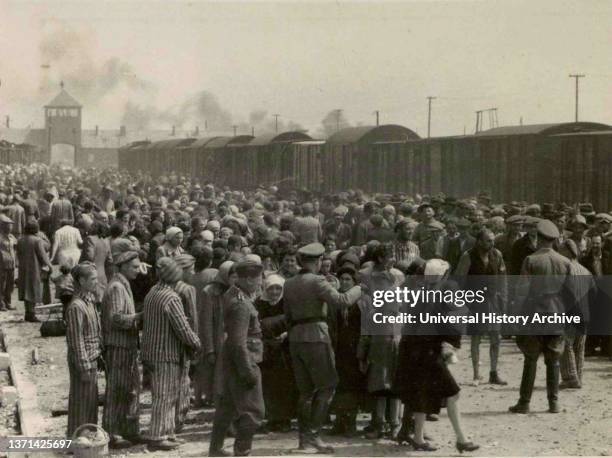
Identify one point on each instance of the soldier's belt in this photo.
(314, 319)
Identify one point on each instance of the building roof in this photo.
(543, 129)
(284, 137)
(372, 134)
(63, 100)
(12, 135)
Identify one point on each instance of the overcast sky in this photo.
(180, 62)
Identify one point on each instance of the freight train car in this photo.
(351, 161)
(569, 162)
(264, 160)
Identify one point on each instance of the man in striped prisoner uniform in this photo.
(187, 293)
(84, 340)
(167, 340)
(120, 324)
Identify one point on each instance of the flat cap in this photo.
(531, 220)
(579, 219)
(547, 229)
(604, 217)
(5, 219)
(435, 226)
(249, 267)
(515, 219)
(312, 250)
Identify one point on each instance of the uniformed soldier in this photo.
(546, 293)
(306, 299)
(242, 401)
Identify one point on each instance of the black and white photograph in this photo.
(294, 228)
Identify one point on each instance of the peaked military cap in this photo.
(312, 250)
(548, 230)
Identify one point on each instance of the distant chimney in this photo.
(8, 122)
(97, 130)
(173, 131)
(252, 131)
(197, 131)
(122, 131)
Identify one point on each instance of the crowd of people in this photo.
(252, 302)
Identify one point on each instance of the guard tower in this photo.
(63, 128)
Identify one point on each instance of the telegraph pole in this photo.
(429, 99)
(234, 127)
(377, 113)
(276, 122)
(338, 113)
(577, 77)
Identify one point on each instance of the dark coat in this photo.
(32, 257)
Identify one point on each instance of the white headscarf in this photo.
(272, 280)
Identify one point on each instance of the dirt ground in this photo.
(584, 427)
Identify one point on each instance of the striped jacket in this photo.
(119, 323)
(166, 334)
(83, 332)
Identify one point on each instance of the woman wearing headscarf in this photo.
(209, 381)
(172, 245)
(280, 394)
(423, 380)
(33, 261)
(84, 340)
(351, 385)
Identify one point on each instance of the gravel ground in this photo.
(584, 427)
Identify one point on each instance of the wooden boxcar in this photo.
(351, 161)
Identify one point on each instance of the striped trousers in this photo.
(572, 359)
(82, 399)
(121, 406)
(165, 388)
(184, 397)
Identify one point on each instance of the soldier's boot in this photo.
(217, 438)
(318, 417)
(552, 386)
(304, 413)
(530, 368)
(244, 440)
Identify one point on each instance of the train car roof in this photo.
(543, 129)
(221, 142)
(171, 143)
(372, 134)
(284, 137)
(200, 142)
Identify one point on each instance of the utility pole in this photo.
(338, 113)
(429, 99)
(577, 77)
(234, 127)
(377, 113)
(276, 122)
(478, 116)
(252, 131)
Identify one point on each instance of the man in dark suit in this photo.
(525, 246)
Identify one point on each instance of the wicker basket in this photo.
(95, 449)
